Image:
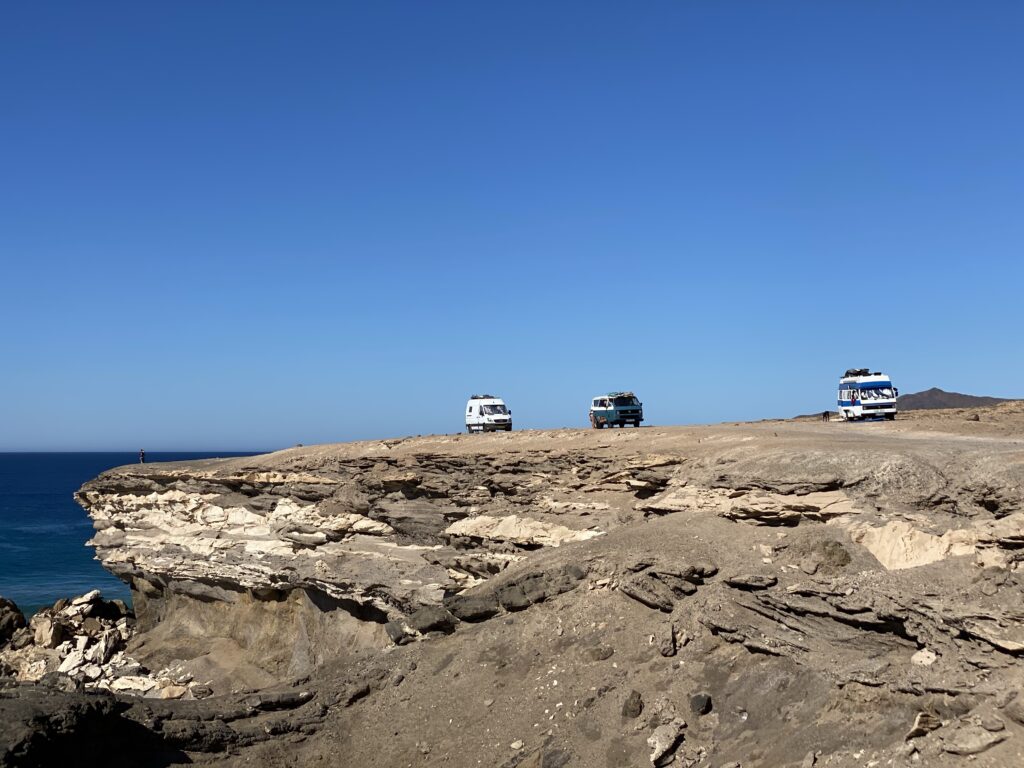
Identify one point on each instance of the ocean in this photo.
(43, 531)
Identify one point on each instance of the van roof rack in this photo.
(483, 397)
(856, 372)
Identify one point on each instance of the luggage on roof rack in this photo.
(856, 372)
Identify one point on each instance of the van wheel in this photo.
(508, 428)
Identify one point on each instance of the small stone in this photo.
(201, 691)
(924, 658)
(924, 723)
(399, 632)
(667, 645)
(809, 566)
(517, 744)
(172, 692)
(992, 723)
(91, 672)
(633, 706)
(664, 740)
(397, 679)
(488, 702)
(751, 582)
(599, 652)
(700, 703)
(132, 684)
(92, 626)
(72, 661)
(88, 597)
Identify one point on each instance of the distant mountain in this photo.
(937, 398)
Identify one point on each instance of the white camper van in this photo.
(487, 413)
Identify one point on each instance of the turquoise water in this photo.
(43, 530)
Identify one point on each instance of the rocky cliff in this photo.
(755, 595)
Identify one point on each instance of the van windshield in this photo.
(625, 401)
(490, 410)
(882, 393)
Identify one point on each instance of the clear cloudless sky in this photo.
(244, 225)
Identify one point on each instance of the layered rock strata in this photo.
(755, 595)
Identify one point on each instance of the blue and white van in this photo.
(866, 395)
(616, 409)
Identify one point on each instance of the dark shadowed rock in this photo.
(511, 597)
(633, 706)
(700, 703)
(11, 619)
(432, 618)
(473, 607)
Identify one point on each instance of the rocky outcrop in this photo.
(721, 595)
(11, 619)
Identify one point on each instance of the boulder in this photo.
(473, 607)
(432, 618)
(11, 620)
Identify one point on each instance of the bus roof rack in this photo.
(856, 372)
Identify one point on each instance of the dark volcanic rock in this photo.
(633, 706)
(700, 703)
(433, 618)
(43, 726)
(11, 619)
(512, 597)
(473, 607)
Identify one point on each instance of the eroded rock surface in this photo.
(828, 595)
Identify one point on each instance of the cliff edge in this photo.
(765, 594)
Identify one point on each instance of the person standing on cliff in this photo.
(142, 455)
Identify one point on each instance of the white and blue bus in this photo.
(866, 395)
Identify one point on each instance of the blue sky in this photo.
(242, 225)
